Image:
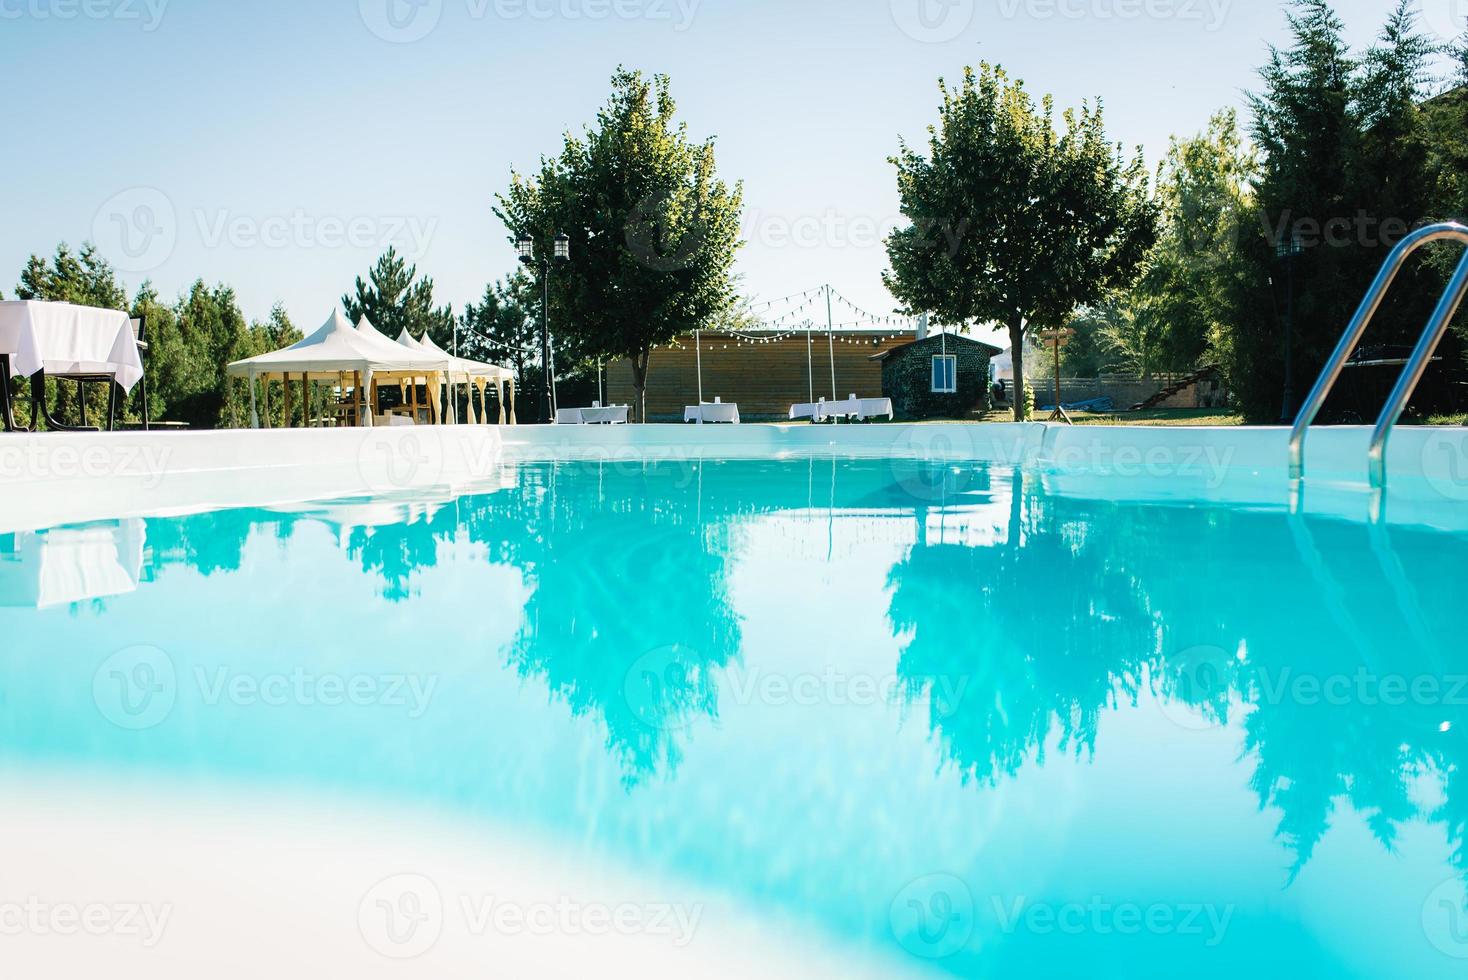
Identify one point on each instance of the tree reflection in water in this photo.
(1308, 638)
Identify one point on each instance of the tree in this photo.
(213, 331)
(1085, 356)
(1013, 221)
(501, 329)
(1203, 191)
(167, 358)
(395, 299)
(653, 229)
(273, 334)
(86, 279)
(1343, 177)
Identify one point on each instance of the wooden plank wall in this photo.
(764, 379)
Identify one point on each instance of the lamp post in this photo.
(1287, 252)
(560, 254)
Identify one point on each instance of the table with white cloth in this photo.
(610, 415)
(871, 408)
(854, 407)
(69, 341)
(815, 411)
(42, 569)
(716, 414)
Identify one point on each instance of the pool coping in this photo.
(50, 479)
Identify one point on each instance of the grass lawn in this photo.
(1158, 416)
(1180, 417)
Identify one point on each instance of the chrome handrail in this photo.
(1411, 374)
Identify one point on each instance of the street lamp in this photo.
(1287, 252)
(525, 246)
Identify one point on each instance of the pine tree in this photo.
(1345, 175)
(395, 299)
(501, 328)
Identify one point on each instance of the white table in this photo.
(597, 415)
(61, 567)
(715, 414)
(815, 411)
(854, 407)
(871, 408)
(63, 340)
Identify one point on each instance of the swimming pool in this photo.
(939, 716)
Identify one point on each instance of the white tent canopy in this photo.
(335, 348)
(476, 374)
(460, 365)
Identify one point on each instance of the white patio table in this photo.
(854, 407)
(714, 414)
(65, 340)
(596, 415)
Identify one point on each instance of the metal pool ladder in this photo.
(1411, 374)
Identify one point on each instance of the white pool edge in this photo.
(51, 479)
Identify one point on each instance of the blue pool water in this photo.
(928, 713)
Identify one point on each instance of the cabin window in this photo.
(945, 374)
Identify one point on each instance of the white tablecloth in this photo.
(858, 408)
(713, 414)
(612, 415)
(59, 338)
(57, 568)
(871, 408)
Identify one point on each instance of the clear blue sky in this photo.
(278, 145)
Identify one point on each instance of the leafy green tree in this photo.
(395, 299)
(84, 278)
(167, 358)
(1183, 296)
(501, 328)
(211, 330)
(275, 332)
(653, 229)
(1013, 221)
(1085, 356)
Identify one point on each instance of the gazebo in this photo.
(343, 355)
(476, 374)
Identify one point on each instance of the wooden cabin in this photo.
(940, 377)
(764, 372)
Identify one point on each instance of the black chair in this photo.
(42, 411)
(7, 409)
(140, 329)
